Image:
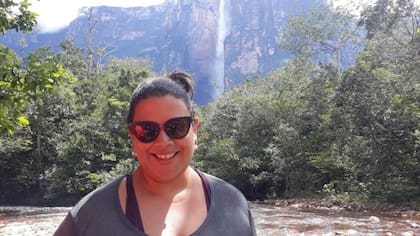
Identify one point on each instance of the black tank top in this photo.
(132, 207)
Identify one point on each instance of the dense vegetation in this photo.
(313, 128)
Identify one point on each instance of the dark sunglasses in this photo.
(147, 131)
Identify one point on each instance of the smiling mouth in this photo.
(165, 156)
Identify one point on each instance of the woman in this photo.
(164, 195)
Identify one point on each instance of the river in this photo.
(269, 220)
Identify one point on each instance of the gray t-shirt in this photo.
(100, 213)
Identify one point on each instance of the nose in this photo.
(162, 137)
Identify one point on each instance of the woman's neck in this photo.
(174, 188)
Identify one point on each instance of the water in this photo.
(30, 221)
(293, 220)
(269, 220)
(223, 30)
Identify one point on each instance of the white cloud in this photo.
(57, 14)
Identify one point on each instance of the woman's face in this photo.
(164, 158)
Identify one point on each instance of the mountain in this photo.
(221, 42)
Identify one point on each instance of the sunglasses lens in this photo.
(178, 127)
(145, 131)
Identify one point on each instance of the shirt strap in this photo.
(132, 211)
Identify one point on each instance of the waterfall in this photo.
(223, 30)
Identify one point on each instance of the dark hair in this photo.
(179, 84)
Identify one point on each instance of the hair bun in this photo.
(184, 79)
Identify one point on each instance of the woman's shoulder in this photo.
(219, 182)
(226, 201)
(224, 189)
(100, 213)
(98, 198)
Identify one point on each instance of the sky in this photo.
(57, 14)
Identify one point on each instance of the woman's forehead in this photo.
(160, 108)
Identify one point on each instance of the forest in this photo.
(312, 128)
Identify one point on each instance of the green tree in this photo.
(24, 80)
(23, 20)
(12, 94)
(47, 109)
(93, 146)
(379, 106)
(324, 34)
(231, 137)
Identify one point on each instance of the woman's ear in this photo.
(196, 124)
(130, 135)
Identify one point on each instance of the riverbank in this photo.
(406, 210)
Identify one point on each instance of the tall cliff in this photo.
(220, 41)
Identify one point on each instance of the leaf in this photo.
(10, 131)
(23, 120)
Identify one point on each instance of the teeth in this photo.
(165, 156)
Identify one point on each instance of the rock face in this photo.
(221, 42)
